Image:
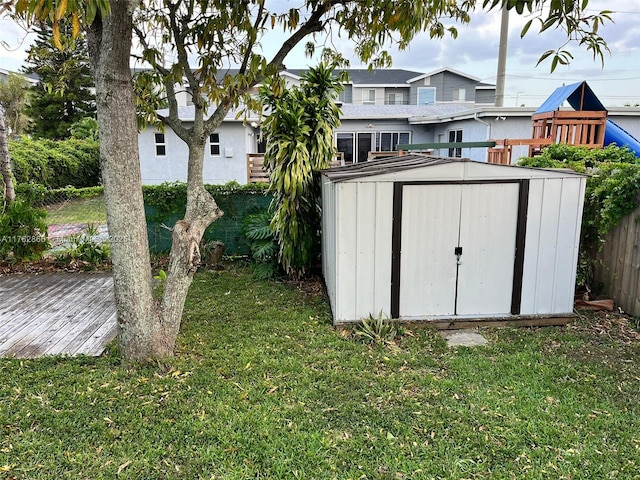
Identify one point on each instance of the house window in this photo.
(161, 144)
(369, 97)
(455, 136)
(214, 144)
(426, 96)
(459, 94)
(345, 144)
(395, 99)
(388, 141)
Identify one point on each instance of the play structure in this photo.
(586, 125)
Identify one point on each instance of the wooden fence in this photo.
(618, 266)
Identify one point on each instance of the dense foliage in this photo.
(171, 198)
(299, 134)
(23, 232)
(85, 129)
(56, 164)
(612, 188)
(256, 228)
(63, 95)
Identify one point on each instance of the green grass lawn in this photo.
(263, 387)
(80, 210)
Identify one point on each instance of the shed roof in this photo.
(408, 162)
(385, 165)
(579, 95)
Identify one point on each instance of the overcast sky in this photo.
(475, 52)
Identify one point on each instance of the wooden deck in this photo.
(56, 314)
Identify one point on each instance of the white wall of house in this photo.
(230, 164)
(629, 119)
(472, 131)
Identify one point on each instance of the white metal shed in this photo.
(442, 239)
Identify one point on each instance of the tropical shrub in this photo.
(85, 250)
(23, 232)
(299, 134)
(256, 228)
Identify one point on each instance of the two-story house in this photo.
(377, 107)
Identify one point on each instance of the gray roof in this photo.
(353, 112)
(407, 162)
(187, 114)
(364, 112)
(363, 76)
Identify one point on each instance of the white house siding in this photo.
(630, 121)
(229, 165)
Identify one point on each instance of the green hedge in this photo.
(56, 164)
(165, 204)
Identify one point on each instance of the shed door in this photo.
(437, 221)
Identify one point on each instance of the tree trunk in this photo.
(201, 211)
(141, 336)
(8, 190)
(148, 327)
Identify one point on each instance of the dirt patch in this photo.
(49, 265)
(610, 340)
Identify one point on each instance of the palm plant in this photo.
(299, 132)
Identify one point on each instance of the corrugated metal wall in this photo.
(364, 220)
(551, 251)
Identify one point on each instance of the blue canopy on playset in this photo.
(581, 98)
(578, 95)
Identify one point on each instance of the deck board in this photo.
(56, 314)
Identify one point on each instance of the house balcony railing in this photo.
(256, 172)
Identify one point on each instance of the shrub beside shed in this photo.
(450, 240)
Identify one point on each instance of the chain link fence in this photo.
(71, 212)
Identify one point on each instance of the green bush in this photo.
(84, 249)
(23, 233)
(56, 164)
(613, 186)
(256, 228)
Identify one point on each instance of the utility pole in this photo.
(502, 57)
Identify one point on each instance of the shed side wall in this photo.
(364, 214)
(551, 250)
